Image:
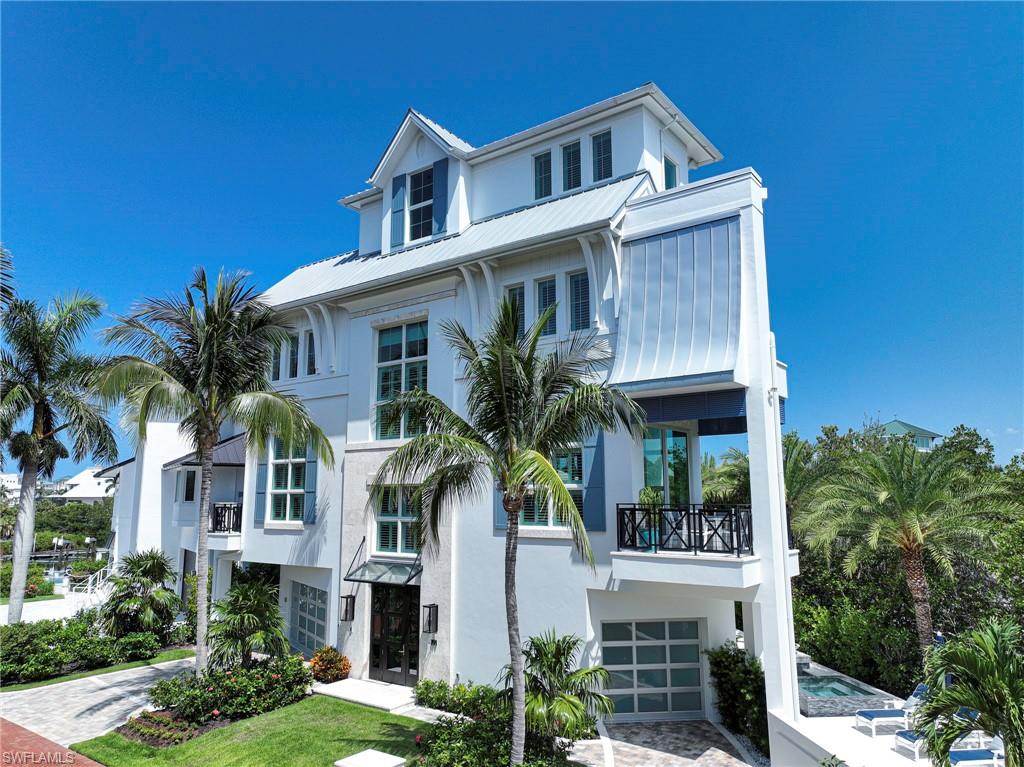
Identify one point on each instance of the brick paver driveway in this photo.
(70, 712)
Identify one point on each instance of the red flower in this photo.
(419, 739)
(216, 712)
(275, 676)
(209, 689)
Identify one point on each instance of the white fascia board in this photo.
(359, 199)
(411, 118)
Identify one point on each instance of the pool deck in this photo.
(856, 747)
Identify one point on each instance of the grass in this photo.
(162, 657)
(315, 731)
(45, 598)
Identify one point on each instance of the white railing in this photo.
(92, 584)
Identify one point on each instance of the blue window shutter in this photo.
(500, 517)
(261, 494)
(398, 210)
(309, 505)
(440, 195)
(782, 409)
(593, 483)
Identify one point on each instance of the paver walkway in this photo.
(21, 746)
(70, 712)
(661, 744)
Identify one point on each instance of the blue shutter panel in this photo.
(309, 505)
(500, 517)
(398, 211)
(260, 507)
(593, 483)
(440, 195)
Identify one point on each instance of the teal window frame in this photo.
(286, 482)
(537, 511)
(671, 173)
(398, 522)
(579, 301)
(547, 295)
(402, 352)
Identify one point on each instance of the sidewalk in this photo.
(21, 746)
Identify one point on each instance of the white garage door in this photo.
(654, 667)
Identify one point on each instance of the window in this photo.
(517, 295)
(602, 145)
(293, 356)
(546, 298)
(579, 301)
(308, 631)
(275, 365)
(190, 487)
(923, 442)
(671, 174)
(421, 204)
(287, 482)
(401, 366)
(310, 354)
(542, 175)
(398, 522)
(572, 176)
(537, 511)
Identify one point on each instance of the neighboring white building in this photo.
(592, 211)
(87, 486)
(10, 486)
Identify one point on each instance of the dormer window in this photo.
(421, 204)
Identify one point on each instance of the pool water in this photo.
(831, 687)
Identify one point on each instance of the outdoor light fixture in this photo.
(429, 619)
(348, 607)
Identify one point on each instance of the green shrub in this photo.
(739, 686)
(35, 585)
(96, 652)
(486, 742)
(464, 699)
(138, 646)
(87, 566)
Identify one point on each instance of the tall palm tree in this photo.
(139, 598)
(987, 668)
(6, 277)
(203, 360)
(522, 407)
(894, 498)
(248, 619)
(45, 389)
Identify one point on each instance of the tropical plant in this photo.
(203, 359)
(6, 277)
(328, 665)
(139, 597)
(892, 497)
(562, 699)
(44, 387)
(247, 620)
(987, 671)
(522, 407)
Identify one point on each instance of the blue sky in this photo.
(141, 140)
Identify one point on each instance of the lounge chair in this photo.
(993, 756)
(872, 717)
(914, 741)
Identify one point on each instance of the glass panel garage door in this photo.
(309, 619)
(654, 668)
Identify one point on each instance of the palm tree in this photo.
(139, 598)
(203, 359)
(894, 498)
(522, 407)
(248, 619)
(561, 698)
(6, 277)
(44, 386)
(987, 668)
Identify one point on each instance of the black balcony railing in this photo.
(693, 528)
(226, 518)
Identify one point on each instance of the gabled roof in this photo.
(897, 428)
(227, 452)
(113, 471)
(450, 138)
(560, 218)
(444, 138)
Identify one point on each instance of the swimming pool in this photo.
(831, 687)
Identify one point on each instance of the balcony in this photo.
(226, 526)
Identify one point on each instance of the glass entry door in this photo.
(665, 465)
(395, 634)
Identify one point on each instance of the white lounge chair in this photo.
(993, 756)
(872, 717)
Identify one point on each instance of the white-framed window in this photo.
(572, 174)
(293, 356)
(547, 296)
(421, 204)
(542, 175)
(310, 354)
(287, 482)
(398, 520)
(401, 366)
(539, 512)
(275, 364)
(185, 486)
(579, 301)
(601, 143)
(671, 173)
(308, 632)
(517, 295)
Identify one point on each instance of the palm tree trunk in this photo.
(515, 647)
(913, 570)
(203, 554)
(24, 539)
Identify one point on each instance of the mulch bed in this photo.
(163, 728)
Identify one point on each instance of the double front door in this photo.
(395, 634)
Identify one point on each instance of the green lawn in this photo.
(47, 598)
(315, 731)
(162, 657)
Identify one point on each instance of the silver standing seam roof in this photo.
(228, 452)
(563, 216)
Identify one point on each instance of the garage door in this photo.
(654, 668)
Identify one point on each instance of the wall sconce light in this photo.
(429, 619)
(348, 607)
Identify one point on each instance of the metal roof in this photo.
(897, 428)
(450, 138)
(561, 217)
(107, 471)
(227, 452)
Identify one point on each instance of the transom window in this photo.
(401, 366)
(287, 482)
(421, 204)
(546, 297)
(602, 146)
(579, 301)
(572, 176)
(542, 175)
(539, 512)
(310, 354)
(517, 295)
(308, 631)
(398, 522)
(671, 174)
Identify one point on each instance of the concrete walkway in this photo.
(51, 609)
(70, 712)
(393, 698)
(659, 744)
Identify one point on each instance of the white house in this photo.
(87, 486)
(592, 211)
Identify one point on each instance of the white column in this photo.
(693, 466)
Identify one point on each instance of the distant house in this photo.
(10, 486)
(84, 487)
(923, 439)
